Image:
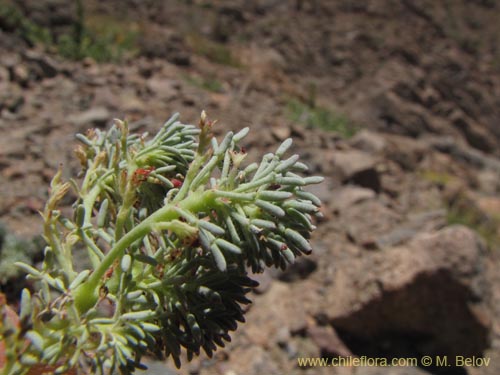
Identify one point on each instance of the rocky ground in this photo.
(405, 262)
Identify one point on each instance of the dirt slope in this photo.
(418, 82)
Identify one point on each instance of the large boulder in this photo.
(428, 297)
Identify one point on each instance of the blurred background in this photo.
(395, 102)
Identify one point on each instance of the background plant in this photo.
(12, 19)
(313, 115)
(170, 227)
(102, 38)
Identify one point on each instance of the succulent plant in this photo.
(172, 227)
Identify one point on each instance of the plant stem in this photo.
(89, 197)
(124, 212)
(195, 166)
(86, 295)
(63, 258)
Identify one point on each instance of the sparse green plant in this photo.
(12, 19)
(211, 83)
(317, 116)
(438, 178)
(101, 38)
(460, 209)
(463, 211)
(171, 225)
(213, 51)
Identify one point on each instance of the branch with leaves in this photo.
(171, 227)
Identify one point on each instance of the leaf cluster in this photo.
(171, 227)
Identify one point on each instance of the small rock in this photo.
(368, 141)
(299, 270)
(131, 103)
(298, 131)
(12, 100)
(164, 88)
(397, 236)
(89, 62)
(107, 97)
(281, 132)
(9, 60)
(189, 101)
(489, 182)
(94, 117)
(405, 151)
(469, 155)
(219, 100)
(20, 74)
(475, 133)
(426, 221)
(357, 167)
(45, 66)
(490, 206)
(165, 44)
(350, 195)
(429, 96)
(14, 171)
(145, 68)
(278, 308)
(360, 225)
(9, 116)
